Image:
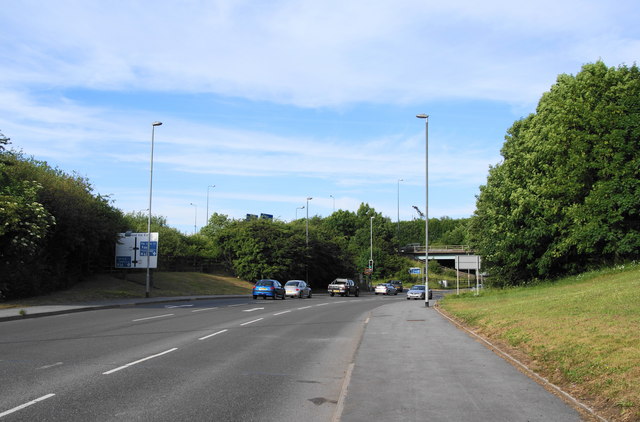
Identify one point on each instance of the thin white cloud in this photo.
(311, 53)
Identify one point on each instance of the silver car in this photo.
(385, 289)
(297, 288)
(417, 292)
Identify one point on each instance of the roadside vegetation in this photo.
(566, 195)
(102, 287)
(582, 333)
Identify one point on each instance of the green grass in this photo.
(582, 333)
(103, 287)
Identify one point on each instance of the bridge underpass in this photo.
(459, 257)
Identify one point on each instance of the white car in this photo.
(297, 288)
(386, 289)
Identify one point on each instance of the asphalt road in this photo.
(372, 358)
(228, 360)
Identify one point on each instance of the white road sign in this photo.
(132, 250)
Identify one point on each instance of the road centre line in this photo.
(49, 366)
(204, 309)
(283, 312)
(152, 317)
(178, 306)
(251, 322)
(305, 307)
(252, 309)
(139, 361)
(22, 406)
(322, 304)
(211, 335)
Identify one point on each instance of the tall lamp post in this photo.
(148, 282)
(307, 236)
(399, 180)
(371, 244)
(210, 186)
(195, 218)
(307, 229)
(426, 217)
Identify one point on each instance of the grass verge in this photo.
(581, 333)
(104, 287)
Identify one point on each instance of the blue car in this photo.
(269, 288)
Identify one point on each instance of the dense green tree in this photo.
(55, 230)
(567, 194)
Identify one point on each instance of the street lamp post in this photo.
(298, 208)
(210, 186)
(307, 236)
(148, 281)
(371, 244)
(399, 180)
(307, 229)
(195, 218)
(426, 217)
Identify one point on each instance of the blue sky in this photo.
(276, 101)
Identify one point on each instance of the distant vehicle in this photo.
(268, 288)
(409, 248)
(417, 292)
(297, 288)
(397, 284)
(343, 287)
(386, 289)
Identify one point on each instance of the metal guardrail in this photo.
(436, 248)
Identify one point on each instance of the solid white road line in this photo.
(204, 309)
(50, 366)
(211, 335)
(152, 317)
(138, 361)
(304, 307)
(283, 312)
(252, 309)
(251, 322)
(22, 406)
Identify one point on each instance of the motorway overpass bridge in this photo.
(460, 256)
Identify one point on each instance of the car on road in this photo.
(343, 287)
(297, 288)
(385, 289)
(269, 288)
(417, 292)
(397, 284)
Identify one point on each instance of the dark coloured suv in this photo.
(397, 284)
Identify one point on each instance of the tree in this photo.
(567, 194)
(55, 231)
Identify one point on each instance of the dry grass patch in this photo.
(104, 287)
(582, 334)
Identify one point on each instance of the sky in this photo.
(264, 104)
